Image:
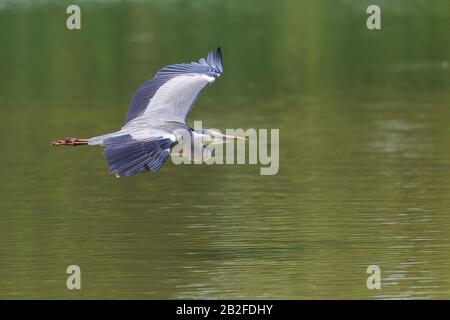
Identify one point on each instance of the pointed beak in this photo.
(227, 137)
(220, 138)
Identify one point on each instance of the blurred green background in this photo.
(364, 151)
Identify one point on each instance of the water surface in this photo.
(364, 152)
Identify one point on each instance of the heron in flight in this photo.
(157, 117)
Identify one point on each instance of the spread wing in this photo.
(127, 156)
(169, 96)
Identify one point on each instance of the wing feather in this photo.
(127, 156)
(193, 78)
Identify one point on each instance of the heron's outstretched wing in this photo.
(127, 156)
(169, 96)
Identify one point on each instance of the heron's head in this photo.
(211, 136)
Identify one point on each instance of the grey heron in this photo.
(157, 117)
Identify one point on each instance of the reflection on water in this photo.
(364, 146)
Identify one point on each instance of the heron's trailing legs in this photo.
(71, 142)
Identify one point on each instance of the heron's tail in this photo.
(71, 142)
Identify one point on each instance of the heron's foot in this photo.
(70, 142)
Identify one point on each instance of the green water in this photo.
(364, 152)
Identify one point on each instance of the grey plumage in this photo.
(159, 108)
